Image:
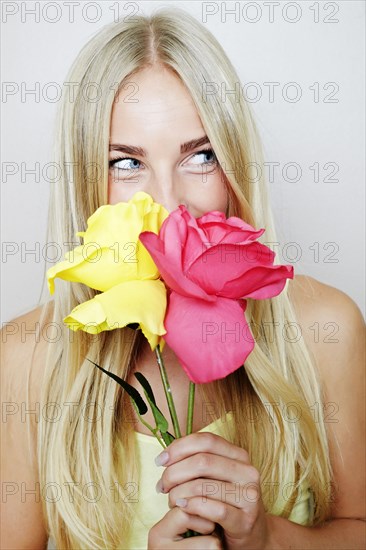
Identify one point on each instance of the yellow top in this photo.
(151, 507)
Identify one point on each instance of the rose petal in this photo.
(214, 269)
(111, 252)
(173, 235)
(103, 268)
(211, 340)
(124, 221)
(196, 243)
(142, 302)
(260, 282)
(171, 271)
(231, 230)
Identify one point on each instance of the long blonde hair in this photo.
(90, 447)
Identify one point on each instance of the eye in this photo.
(204, 152)
(126, 164)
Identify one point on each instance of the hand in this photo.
(167, 533)
(220, 485)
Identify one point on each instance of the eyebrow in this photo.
(133, 150)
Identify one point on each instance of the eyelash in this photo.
(112, 162)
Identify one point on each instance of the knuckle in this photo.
(208, 528)
(222, 512)
(210, 440)
(245, 455)
(203, 462)
(198, 489)
(253, 474)
(179, 515)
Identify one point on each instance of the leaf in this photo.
(161, 421)
(146, 385)
(140, 417)
(132, 392)
(167, 438)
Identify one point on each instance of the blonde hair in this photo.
(281, 370)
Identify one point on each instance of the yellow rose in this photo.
(114, 261)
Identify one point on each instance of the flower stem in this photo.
(152, 431)
(190, 407)
(173, 414)
(148, 426)
(168, 392)
(192, 387)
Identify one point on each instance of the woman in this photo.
(94, 469)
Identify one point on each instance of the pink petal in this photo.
(173, 235)
(213, 216)
(170, 267)
(231, 230)
(196, 238)
(211, 340)
(260, 282)
(219, 233)
(173, 224)
(219, 265)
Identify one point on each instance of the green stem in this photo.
(190, 407)
(148, 426)
(192, 387)
(168, 393)
(173, 413)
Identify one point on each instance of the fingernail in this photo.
(159, 486)
(162, 459)
(182, 502)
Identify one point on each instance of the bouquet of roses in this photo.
(179, 279)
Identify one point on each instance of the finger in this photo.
(210, 466)
(233, 520)
(201, 442)
(198, 543)
(241, 495)
(178, 521)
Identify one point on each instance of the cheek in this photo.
(120, 191)
(209, 195)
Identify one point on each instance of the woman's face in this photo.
(158, 145)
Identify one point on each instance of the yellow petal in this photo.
(100, 269)
(76, 267)
(142, 302)
(124, 221)
(111, 252)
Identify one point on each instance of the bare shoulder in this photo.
(334, 330)
(24, 342)
(328, 316)
(23, 359)
(307, 292)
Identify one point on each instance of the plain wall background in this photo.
(319, 46)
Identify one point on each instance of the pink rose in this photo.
(210, 265)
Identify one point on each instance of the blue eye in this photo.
(113, 164)
(207, 152)
(130, 164)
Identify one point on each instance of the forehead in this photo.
(155, 98)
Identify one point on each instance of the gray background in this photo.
(318, 46)
(320, 223)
